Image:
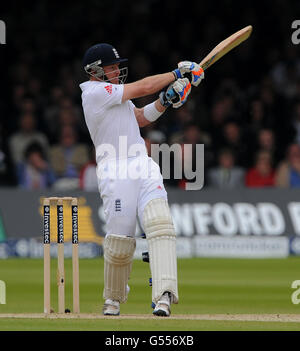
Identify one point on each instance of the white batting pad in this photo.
(161, 238)
(118, 254)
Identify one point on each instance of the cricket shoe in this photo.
(162, 307)
(111, 308)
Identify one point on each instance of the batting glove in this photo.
(190, 70)
(178, 92)
(164, 100)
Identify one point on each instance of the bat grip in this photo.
(170, 94)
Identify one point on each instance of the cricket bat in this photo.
(222, 49)
(225, 46)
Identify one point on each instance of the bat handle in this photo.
(170, 94)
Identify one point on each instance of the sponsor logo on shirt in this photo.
(108, 89)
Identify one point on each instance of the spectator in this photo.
(266, 142)
(52, 108)
(234, 139)
(226, 174)
(257, 115)
(18, 95)
(262, 174)
(63, 111)
(193, 136)
(220, 112)
(182, 117)
(70, 114)
(26, 135)
(35, 90)
(288, 172)
(67, 158)
(34, 172)
(284, 73)
(27, 105)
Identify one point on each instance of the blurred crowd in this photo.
(246, 112)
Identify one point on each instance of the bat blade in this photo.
(225, 46)
(220, 50)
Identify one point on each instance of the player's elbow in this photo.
(143, 122)
(139, 114)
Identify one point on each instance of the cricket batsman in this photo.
(112, 119)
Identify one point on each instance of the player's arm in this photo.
(147, 86)
(151, 112)
(153, 84)
(176, 94)
(140, 117)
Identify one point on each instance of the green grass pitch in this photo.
(206, 286)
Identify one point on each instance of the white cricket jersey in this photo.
(107, 118)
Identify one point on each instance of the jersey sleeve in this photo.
(106, 95)
(132, 105)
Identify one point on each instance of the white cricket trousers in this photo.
(126, 186)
